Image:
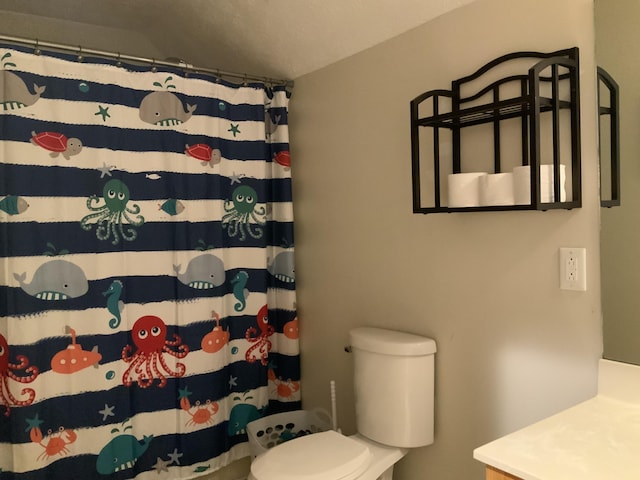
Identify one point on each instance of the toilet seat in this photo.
(320, 456)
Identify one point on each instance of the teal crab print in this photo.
(114, 218)
(243, 216)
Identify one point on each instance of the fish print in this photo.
(172, 207)
(13, 205)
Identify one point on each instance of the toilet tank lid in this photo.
(391, 342)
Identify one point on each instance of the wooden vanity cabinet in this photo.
(495, 474)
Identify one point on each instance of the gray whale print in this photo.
(203, 272)
(164, 109)
(283, 267)
(55, 280)
(14, 93)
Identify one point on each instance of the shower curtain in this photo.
(147, 284)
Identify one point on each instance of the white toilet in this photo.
(394, 382)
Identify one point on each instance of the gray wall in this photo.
(512, 346)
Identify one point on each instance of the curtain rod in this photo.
(178, 63)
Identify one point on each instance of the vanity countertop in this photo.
(598, 439)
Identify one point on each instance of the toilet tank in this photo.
(394, 386)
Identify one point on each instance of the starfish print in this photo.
(233, 381)
(175, 457)
(183, 393)
(107, 411)
(106, 169)
(34, 422)
(236, 178)
(235, 129)
(104, 111)
(161, 465)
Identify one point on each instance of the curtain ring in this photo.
(118, 61)
(36, 48)
(244, 80)
(80, 57)
(154, 69)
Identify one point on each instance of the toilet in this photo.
(394, 387)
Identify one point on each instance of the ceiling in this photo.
(275, 38)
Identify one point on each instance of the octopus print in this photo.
(8, 372)
(114, 218)
(148, 362)
(261, 343)
(243, 216)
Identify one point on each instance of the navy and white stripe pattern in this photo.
(147, 283)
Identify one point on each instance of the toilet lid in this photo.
(319, 456)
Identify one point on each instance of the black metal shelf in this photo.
(556, 72)
(609, 122)
(513, 108)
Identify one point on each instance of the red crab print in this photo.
(203, 414)
(56, 443)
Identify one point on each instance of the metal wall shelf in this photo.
(609, 141)
(546, 96)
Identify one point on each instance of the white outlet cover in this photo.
(578, 257)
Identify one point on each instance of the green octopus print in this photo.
(114, 218)
(241, 211)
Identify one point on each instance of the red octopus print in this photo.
(8, 371)
(261, 342)
(148, 362)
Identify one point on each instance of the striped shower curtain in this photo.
(147, 285)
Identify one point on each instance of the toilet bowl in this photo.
(334, 457)
(393, 383)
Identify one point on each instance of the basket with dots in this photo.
(267, 432)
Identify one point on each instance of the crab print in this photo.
(55, 443)
(202, 415)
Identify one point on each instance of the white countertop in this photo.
(598, 439)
